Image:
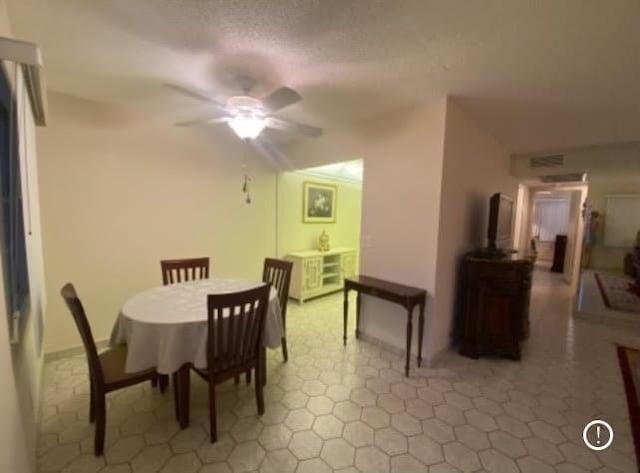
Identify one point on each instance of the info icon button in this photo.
(597, 435)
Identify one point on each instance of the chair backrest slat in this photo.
(278, 273)
(183, 270)
(80, 318)
(236, 323)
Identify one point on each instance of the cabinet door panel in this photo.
(312, 273)
(348, 265)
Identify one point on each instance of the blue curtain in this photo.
(16, 277)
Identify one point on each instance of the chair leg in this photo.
(213, 423)
(259, 386)
(285, 351)
(92, 403)
(101, 418)
(154, 381)
(248, 376)
(176, 394)
(263, 371)
(163, 382)
(236, 379)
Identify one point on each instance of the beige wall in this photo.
(401, 211)
(21, 365)
(294, 235)
(475, 167)
(116, 199)
(604, 257)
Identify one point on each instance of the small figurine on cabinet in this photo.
(324, 242)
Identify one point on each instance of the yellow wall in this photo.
(116, 199)
(294, 235)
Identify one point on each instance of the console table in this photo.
(407, 296)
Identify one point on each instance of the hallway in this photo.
(350, 409)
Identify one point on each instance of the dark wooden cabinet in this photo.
(495, 311)
(559, 250)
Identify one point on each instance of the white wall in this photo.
(118, 197)
(575, 238)
(605, 257)
(21, 365)
(295, 235)
(614, 160)
(475, 167)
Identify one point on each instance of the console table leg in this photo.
(409, 337)
(421, 333)
(358, 314)
(346, 315)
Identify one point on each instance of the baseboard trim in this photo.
(73, 351)
(391, 348)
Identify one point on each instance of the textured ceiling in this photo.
(538, 75)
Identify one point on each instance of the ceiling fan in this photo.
(248, 116)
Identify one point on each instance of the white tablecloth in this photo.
(166, 326)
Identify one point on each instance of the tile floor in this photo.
(350, 410)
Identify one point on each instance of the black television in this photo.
(500, 221)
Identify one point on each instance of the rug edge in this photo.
(632, 399)
(603, 293)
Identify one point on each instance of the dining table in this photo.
(165, 327)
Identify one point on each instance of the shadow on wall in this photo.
(477, 239)
(478, 221)
(382, 129)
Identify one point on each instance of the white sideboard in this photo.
(316, 273)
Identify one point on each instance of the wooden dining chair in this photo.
(182, 270)
(277, 272)
(176, 271)
(106, 370)
(235, 329)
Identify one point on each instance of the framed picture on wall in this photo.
(319, 203)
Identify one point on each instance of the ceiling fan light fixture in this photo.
(247, 126)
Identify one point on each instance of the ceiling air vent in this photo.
(550, 161)
(558, 178)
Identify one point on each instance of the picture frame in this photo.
(319, 202)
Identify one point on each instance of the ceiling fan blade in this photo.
(280, 98)
(203, 120)
(196, 94)
(293, 127)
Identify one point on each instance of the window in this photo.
(13, 245)
(550, 218)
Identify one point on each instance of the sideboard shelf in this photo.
(316, 273)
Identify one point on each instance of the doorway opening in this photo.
(318, 226)
(549, 220)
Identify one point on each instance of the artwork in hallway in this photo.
(319, 203)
